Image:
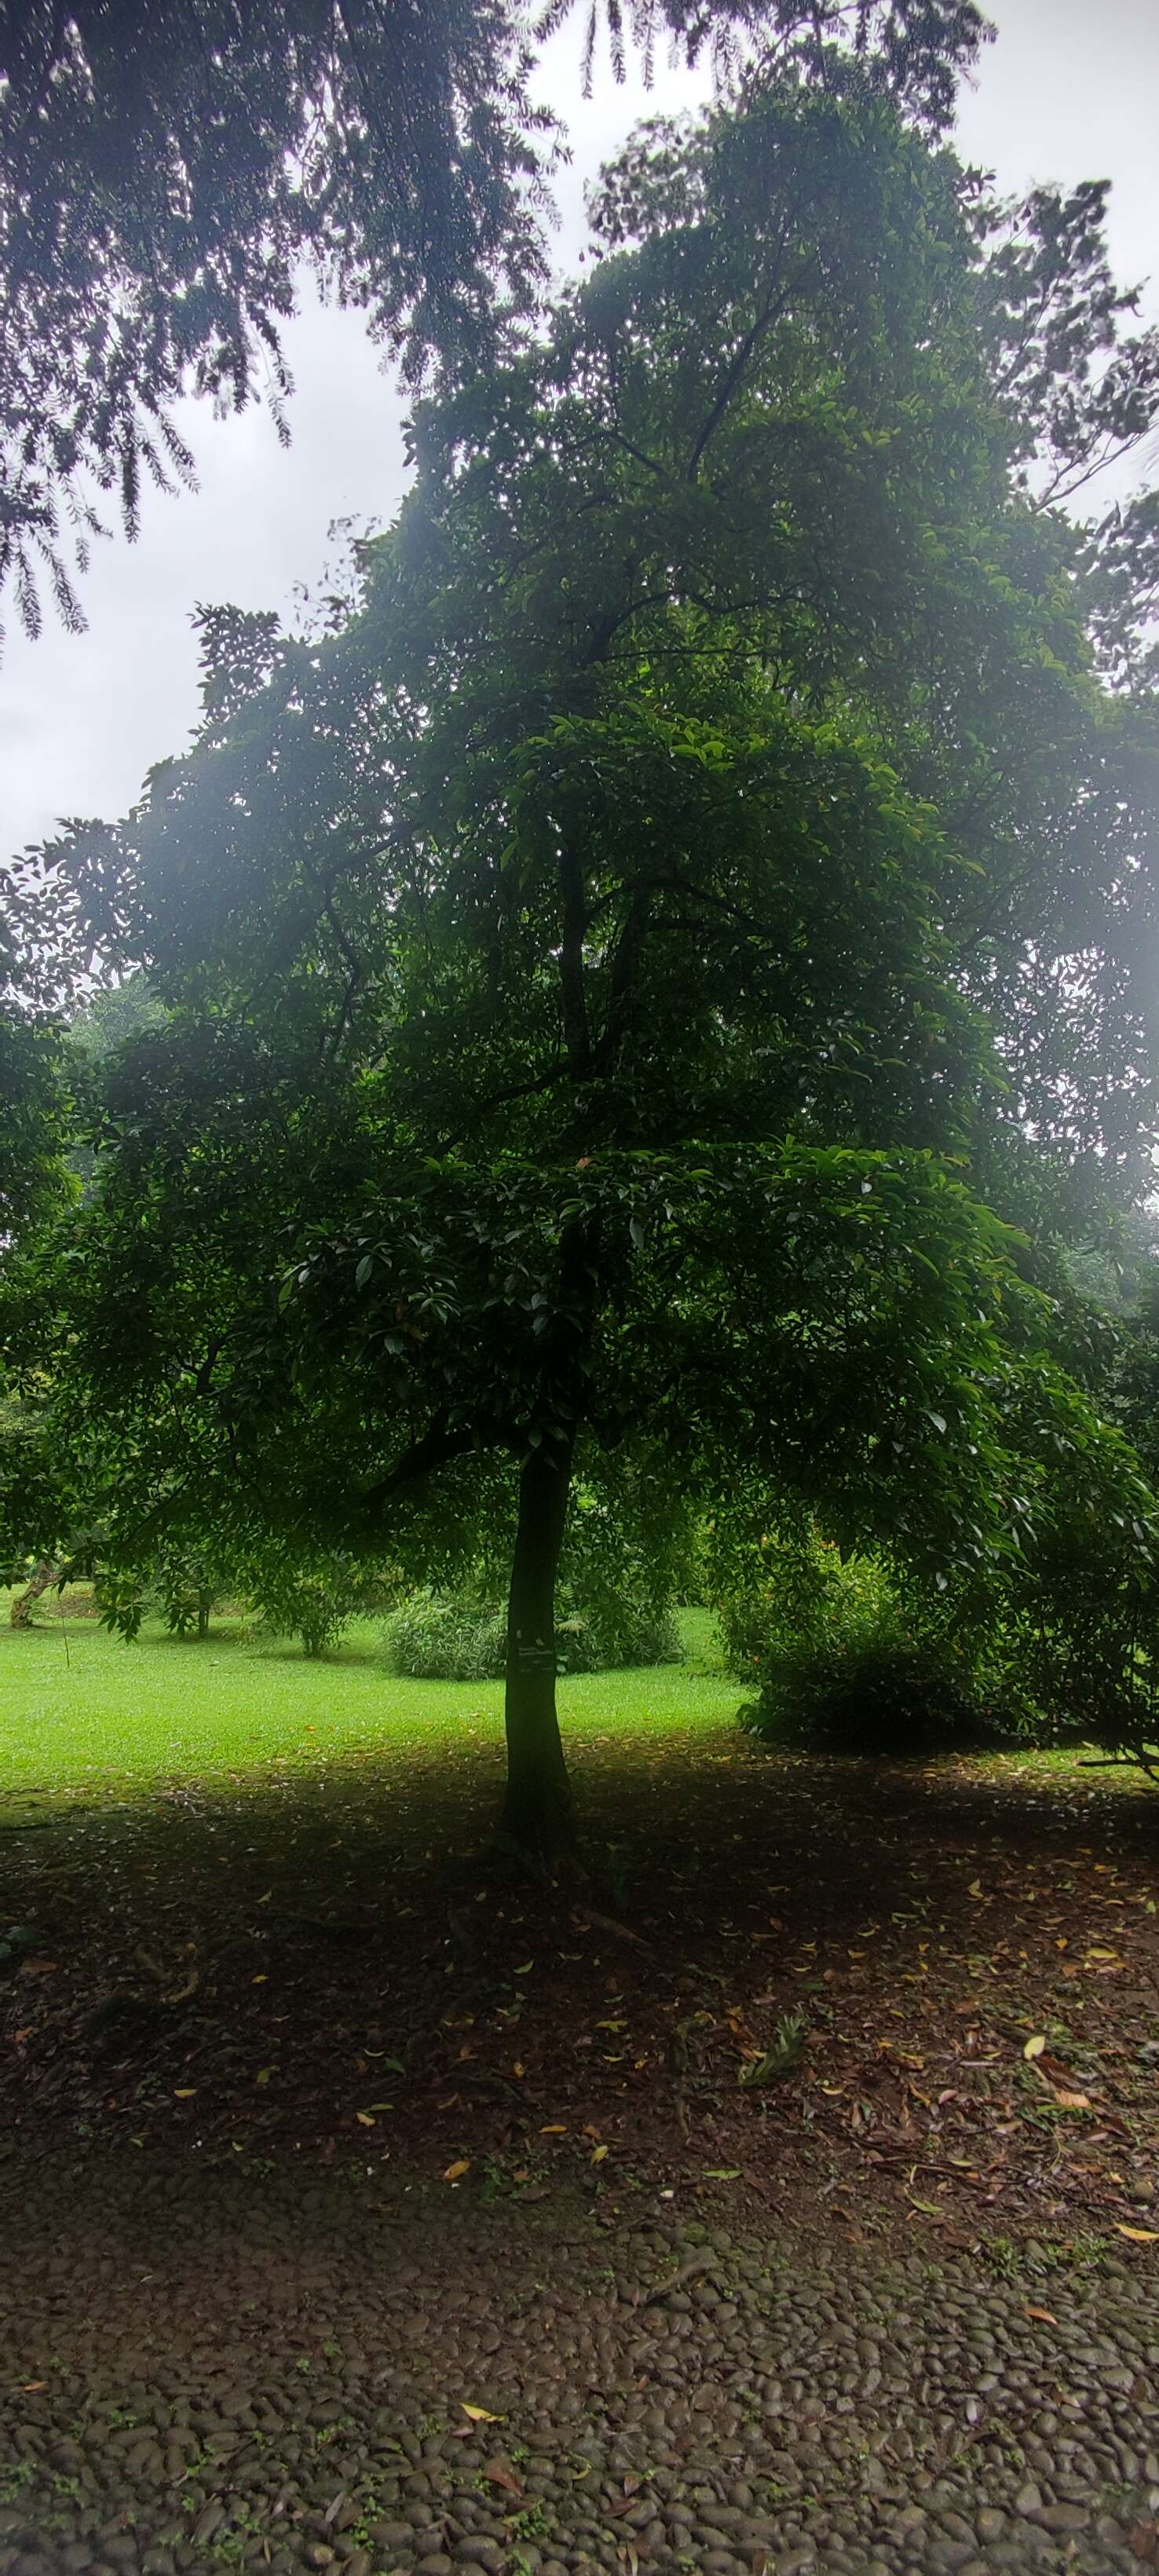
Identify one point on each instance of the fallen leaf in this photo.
(366, 2118)
(1140, 2235)
(598, 2154)
(479, 2414)
(264, 2073)
(184, 2092)
(455, 2172)
(554, 2129)
(722, 2173)
(29, 2387)
(1040, 2316)
(1054, 2073)
(975, 1888)
(1034, 2047)
(499, 2473)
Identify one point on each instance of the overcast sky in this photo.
(1069, 91)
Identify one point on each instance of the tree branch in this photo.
(436, 1448)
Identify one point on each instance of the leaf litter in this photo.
(832, 2011)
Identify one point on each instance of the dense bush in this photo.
(455, 1637)
(844, 1663)
(445, 1638)
(893, 1701)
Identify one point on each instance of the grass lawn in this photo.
(79, 1708)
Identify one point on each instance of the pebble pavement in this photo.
(233, 2368)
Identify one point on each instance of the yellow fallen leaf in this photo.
(1071, 2101)
(185, 2092)
(455, 2172)
(975, 1888)
(1140, 2235)
(29, 2387)
(1034, 2047)
(1102, 1954)
(366, 2118)
(479, 2414)
(1041, 2316)
(519, 2067)
(554, 2129)
(598, 2154)
(525, 1970)
(264, 2073)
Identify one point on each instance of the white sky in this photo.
(1069, 91)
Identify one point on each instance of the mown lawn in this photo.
(79, 1708)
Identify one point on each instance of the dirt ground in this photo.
(921, 2003)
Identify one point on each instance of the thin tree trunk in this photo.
(22, 1608)
(538, 1817)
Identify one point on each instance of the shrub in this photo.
(846, 1664)
(445, 1638)
(314, 1601)
(455, 1637)
(888, 1699)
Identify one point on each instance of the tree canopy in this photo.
(167, 166)
(637, 988)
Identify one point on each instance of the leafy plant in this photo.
(314, 1600)
(785, 2054)
(844, 1664)
(436, 1638)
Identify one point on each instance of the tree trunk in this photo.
(44, 1575)
(537, 1811)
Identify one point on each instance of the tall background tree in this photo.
(637, 989)
(167, 167)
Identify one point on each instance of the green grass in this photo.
(80, 1710)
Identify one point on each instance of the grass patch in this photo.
(79, 1709)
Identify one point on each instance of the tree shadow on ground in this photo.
(809, 1974)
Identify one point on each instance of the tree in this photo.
(166, 166)
(602, 972)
